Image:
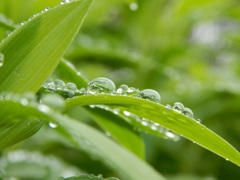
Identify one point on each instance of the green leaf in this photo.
(98, 145)
(17, 121)
(170, 119)
(78, 134)
(121, 131)
(88, 177)
(33, 50)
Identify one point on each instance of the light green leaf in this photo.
(98, 145)
(33, 50)
(88, 177)
(170, 119)
(120, 130)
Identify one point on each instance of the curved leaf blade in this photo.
(33, 50)
(172, 120)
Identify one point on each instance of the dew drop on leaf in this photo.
(133, 6)
(150, 95)
(71, 86)
(1, 60)
(52, 125)
(101, 85)
(59, 84)
(188, 112)
(179, 107)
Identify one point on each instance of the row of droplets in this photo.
(141, 124)
(100, 86)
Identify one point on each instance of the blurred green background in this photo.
(186, 50)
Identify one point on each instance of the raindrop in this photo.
(188, 112)
(150, 95)
(43, 108)
(71, 87)
(22, 23)
(172, 135)
(122, 89)
(144, 122)
(132, 91)
(101, 85)
(133, 6)
(59, 84)
(126, 113)
(198, 120)
(81, 91)
(52, 125)
(24, 101)
(168, 107)
(154, 126)
(65, 1)
(179, 107)
(1, 59)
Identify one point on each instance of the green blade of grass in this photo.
(120, 130)
(170, 119)
(33, 50)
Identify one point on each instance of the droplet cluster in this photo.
(141, 124)
(99, 85)
(179, 107)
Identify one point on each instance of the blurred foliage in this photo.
(186, 50)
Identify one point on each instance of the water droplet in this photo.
(132, 91)
(65, 1)
(108, 134)
(1, 60)
(168, 107)
(59, 84)
(198, 120)
(116, 111)
(126, 113)
(71, 87)
(133, 6)
(122, 89)
(150, 95)
(45, 9)
(101, 85)
(24, 101)
(22, 23)
(154, 126)
(52, 125)
(188, 112)
(43, 108)
(179, 107)
(227, 159)
(81, 91)
(172, 135)
(144, 122)
(100, 176)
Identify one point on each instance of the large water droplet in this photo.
(1, 60)
(101, 85)
(150, 95)
(179, 107)
(133, 6)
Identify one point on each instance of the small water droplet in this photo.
(132, 91)
(188, 112)
(154, 126)
(65, 1)
(100, 176)
(227, 159)
(81, 92)
(150, 95)
(52, 125)
(101, 85)
(144, 122)
(108, 134)
(172, 135)
(168, 107)
(59, 84)
(122, 89)
(22, 23)
(133, 6)
(179, 107)
(43, 108)
(24, 101)
(1, 60)
(198, 121)
(71, 87)
(126, 113)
